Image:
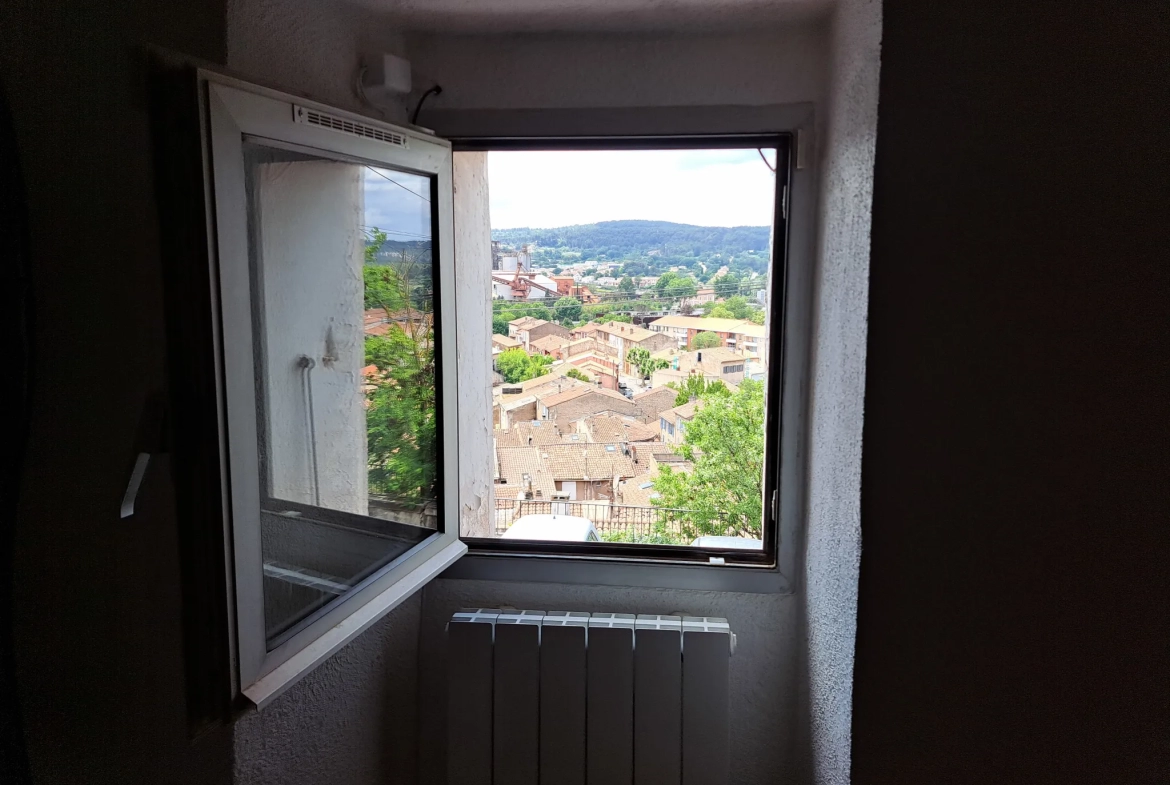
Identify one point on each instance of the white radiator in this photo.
(569, 698)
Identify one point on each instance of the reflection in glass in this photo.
(343, 303)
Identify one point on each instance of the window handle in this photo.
(151, 439)
(136, 474)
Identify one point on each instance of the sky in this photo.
(549, 188)
(401, 208)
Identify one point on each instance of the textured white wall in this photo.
(351, 721)
(529, 71)
(841, 288)
(310, 48)
(310, 216)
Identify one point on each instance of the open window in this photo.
(328, 271)
(637, 304)
(315, 390)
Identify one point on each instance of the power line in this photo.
(400, 185)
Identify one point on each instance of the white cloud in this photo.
(542, 189)
(402, 210)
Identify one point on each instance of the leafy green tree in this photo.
(705, 340)
(621, 317)
(499, 325)
(568, 309)
(626, 284)
(739, 307)
(727, 285)
(664, 281)
(577, 373)
(646, 365)
(719, 312)
(637, 356)
(723, 494)
(681, 287)
(696, 386)
(400, 414)
(756, 317)
(516, 365)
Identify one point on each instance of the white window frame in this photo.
(797, 120)
(233, 110)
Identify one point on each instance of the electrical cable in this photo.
(436, 90)
(400, 185)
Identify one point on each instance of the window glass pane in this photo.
(629, 296)
(343, 306)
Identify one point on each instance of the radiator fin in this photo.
(574, 698)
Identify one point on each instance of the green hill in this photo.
(629, 239)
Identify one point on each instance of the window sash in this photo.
(235, 110)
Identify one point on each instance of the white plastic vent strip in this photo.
(573, 698)
(306, 116)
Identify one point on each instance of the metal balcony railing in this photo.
(633, 523)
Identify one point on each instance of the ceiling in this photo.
(516, 16)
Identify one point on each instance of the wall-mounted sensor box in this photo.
(386, 73)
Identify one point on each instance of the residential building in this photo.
(655, 400)
(673, 421)
(551, 345)
(502, 343)
(581, 401)
(603, 372)
(614, 428)
(527, 329)
(701, 297)
(737, 334)
(715, 364)
(587, 330)
(516, 402)
(623, 337)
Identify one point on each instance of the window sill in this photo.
(617, 572)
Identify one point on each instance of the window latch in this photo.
(151, 439)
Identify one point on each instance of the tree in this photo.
(646, 365)
(568, 309)
(577, 373)
(516, 365)
(738, 306)
(723, 494)
(757, 317)
(705, 340)
(719, 312)
(499, 325)
(727, 285)
(400, 413)
(694, 387)
(681, 288)
(626, 284)
(664, 281)
(686, 309)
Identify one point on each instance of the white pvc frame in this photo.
(234, 109)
